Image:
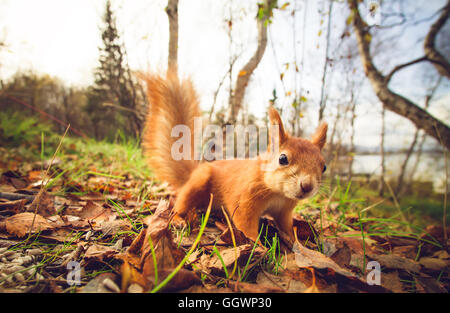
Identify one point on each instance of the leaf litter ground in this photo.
(116, 227)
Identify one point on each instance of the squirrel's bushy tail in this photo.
(171, 102)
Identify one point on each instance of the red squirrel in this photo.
(241, 186)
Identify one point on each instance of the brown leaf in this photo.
(305, 257)
(19, 224)
(434, 264)
(154, 242)
(436, 231)
(283, 281)
(441, 254)
(44, 204)
(238, 235)
(240, 254)
(305, 230)
(409, 251)
(110, 228)
(35, 175)
(253, 288)
(183, 279)
(430, 284)
(342, 256)
(333, 273)
(97, 252)
(302, 278)
(392, 261)
(14, 206)
(391, 280)
(91, 211)
(18, 183)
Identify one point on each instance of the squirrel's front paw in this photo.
(178, 222)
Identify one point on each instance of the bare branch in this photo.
(391, 100)
(401, 66)
(439, 61)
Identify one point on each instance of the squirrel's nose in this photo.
(306, 186)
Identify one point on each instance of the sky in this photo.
(62, 38)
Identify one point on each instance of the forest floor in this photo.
(91, 218)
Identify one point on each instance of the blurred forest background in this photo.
(377, 71)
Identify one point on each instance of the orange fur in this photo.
(171, 103)
(242, 187)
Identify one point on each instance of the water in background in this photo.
(431, 167)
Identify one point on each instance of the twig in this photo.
(16, 196)
(37, 199)
(399, 67)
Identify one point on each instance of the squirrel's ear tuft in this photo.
(320, 137)
(275, 120)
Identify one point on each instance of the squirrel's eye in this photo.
(324, 168)
(283, 160)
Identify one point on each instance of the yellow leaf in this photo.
(300, 114)
(349, 19)
(288, 93)
(320, 33)
(284, 6)
(281, 76)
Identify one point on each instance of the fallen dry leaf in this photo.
(409, 251)
(430, 284)
(154, 242)
(12, 207)
(305, 230)
(391, 281)
(113, 227)
(97, 252)
(238, 235)
(19, 224)
(43, 204)
(91, 211)
(213, 264)
(434, 264)
(392, 261)
(305, 257)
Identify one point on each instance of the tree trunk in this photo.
(245, 73)
(401, 176)
(352, 136)
(422, 140)
(172, 13)
(391, 100)
(323, 98)
(382, 154)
